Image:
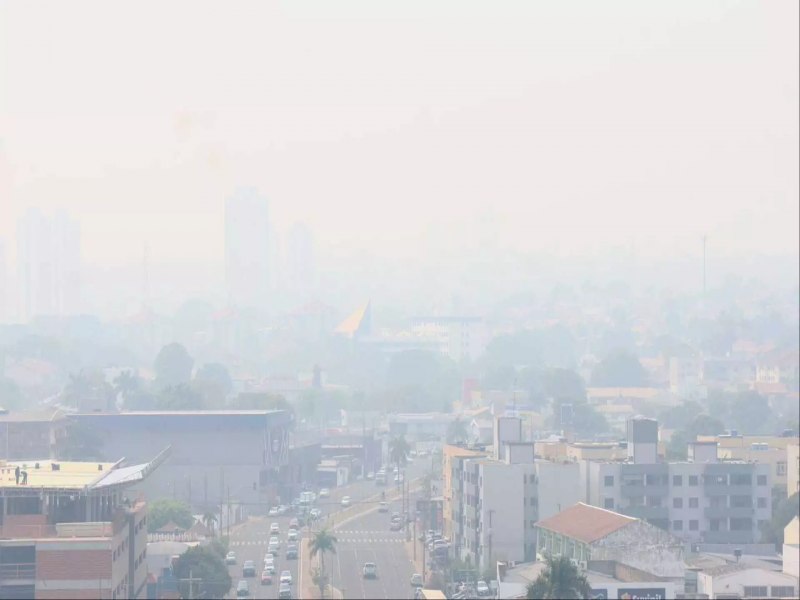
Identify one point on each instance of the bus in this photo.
(431, 594)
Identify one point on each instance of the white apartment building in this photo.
(701, 500)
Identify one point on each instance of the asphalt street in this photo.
(367, 539)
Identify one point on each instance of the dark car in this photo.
(249, 569)
(291, 552)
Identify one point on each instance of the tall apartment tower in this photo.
(642, 440)
(247, 249)
(48, 265)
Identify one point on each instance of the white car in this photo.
(230, 558)
(292, 535)
(286, 577)
(274, 529)
(346, 501)
(483, 589)
(324, 493)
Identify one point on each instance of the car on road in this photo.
(395, 526)
(483, 589)
(370, 476)
(416, 580)
(242, 589)
(291, 552)
(346, 501)
(269, 568)
(266, 577)
(286, 577)
(315, 513)
(294, 523)
(285, 592)
(273, 548)
(383, 507)
(230, 558)
(283, 509)
(292, 535)
(273, 511)
(249, 569)
(370, 570)
(274, 529)
(275, 540)
(324, 493)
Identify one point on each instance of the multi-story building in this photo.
(48, 265)
(763, 449)
(26, 435)
(241, 456)
(701, 499)
(247, 249)
(453, 458)
(792, 468)
(70, 530)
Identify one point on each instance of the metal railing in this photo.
(18, 571)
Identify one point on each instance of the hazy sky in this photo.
(405, 127)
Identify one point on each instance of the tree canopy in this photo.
(215, 379)
(207, 565)
(173, 365)
(619, 369)
(161, 512)
(559, 579)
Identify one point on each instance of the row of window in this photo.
(693, 480)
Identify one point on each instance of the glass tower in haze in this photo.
(247, 249)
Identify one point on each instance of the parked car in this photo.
(416, 580)
(483, 589)
(291, 552)
(346, 501)
(370, 570)
(249, 569)
(230, 558)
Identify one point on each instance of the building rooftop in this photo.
(184, 413)
(29, 417)
(70, 475)
(586, 523)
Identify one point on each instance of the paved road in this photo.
(250, 543)
(367, 539)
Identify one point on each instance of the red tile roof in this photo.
(585, 523)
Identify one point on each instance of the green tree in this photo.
(205, 564)
(681, 416)
(161, 512)
(783, 511)
(560, 579)
(322, 542)
(457, 432)
(180, 397)
(173, 366)
(80, 443)
(10, 395)
(564, 383)
(209, 520)
(586, 421)
(702, 424)
(214, 382)
(619, 369)
(126, 384)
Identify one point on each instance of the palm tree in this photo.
(209, 520)
(457, 432)
(398, 450)
(560, 579)
(322, 542)
(126, 384)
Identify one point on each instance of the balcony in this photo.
(729, 537)
(729, 512)
(637, 489)
(722, 489)
(18, 571)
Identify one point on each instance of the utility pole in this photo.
(704, 265)
(229, 513)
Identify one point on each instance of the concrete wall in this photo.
(558, 487)
(502, 515)
(644, 547)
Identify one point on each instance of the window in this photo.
(677, 480)
(741, 502)
(741, 479)
(692, 479)
(780, 469)
(694, 503)
(762, 503)
(741, 524)
(783, 591)
(694, 525)
(762, 480)
(608, 503)
(677, 503)
(755, 591)
(608, 480)
(677, 525)
(654, 501)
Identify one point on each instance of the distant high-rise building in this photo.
(247, 249)
(48, 265)
(300, 267)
